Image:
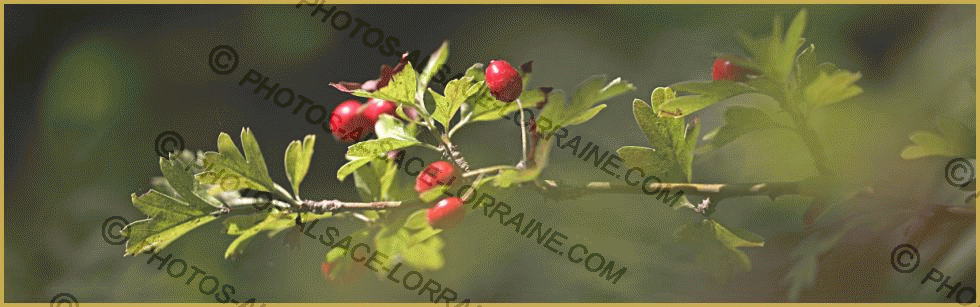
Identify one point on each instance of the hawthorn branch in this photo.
(248, 205)
(559, 191)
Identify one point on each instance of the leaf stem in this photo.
(463, 121)
(487, 170)
(520, 109)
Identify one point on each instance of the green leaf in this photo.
(298, 156)
(387, 179)
(831, 88)
(671, 154)
(435, 63)
(368, 182)
(378, 147)
(740, 121)
(270, 222)
(392, 242)
(585, 116)
(433, 193)
(720, 252)
(582, 108)
(352, 165)
(531, 97)
(334, 254)
(660, 95)
(662, 132)
(185, 187)
(955, 140)
(775, 54)
(553, 111)
(757, 47)
(792, 43)
(273, 223)
(457, 91)
(733, 240)
(169, 219)
(806, 64)
(238, 224)
(684, 105)
(487, 108)
(595, 90)
(417, 220)
(400, 89)
(685, 152)
(925, 144)
(422, 235)
(426, 255)
(477, 72)
(652, 163)
(509, 177)
(723, 89)
(249, 171)
(388, 127)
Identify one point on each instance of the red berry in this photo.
(347, 124)
(326, 267)
(345, 277)
(437, 173)
(446, 214)
(411, 113)
(724, 69)
(375, 107)
(503, 80)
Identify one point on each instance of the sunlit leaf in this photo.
(248, 171)
(298, 156)
(400, 89)
(832, 88)
(169, 219)
(456, 92)
(436, 60)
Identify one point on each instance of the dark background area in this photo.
(89, 87)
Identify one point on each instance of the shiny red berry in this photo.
(504, 81)
(347, 124)
(724, 69)
(447, 213)
(437, 173)
(375, 107)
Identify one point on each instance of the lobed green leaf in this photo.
(249, 171)
(400, 89)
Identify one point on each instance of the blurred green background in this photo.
(89, 87)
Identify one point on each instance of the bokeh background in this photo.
(89, 87)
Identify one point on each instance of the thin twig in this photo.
(520, 109)
(718, 191)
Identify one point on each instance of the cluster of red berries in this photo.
(448, 212)
(350, 120)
